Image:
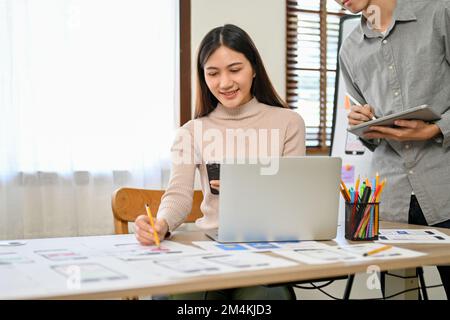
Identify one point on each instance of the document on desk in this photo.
(127, 248)
(350, 253)
(61, 254)
(213, 263)
(16, 284)
(59, 278)
(213, 246)
(8, 258)
(319, 255)
(133, 252)
(62, 266)
(390, 253)
(412, 236)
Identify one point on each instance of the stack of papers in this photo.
(50, 267)
(208, 263)
(412, 236)
(350, 253)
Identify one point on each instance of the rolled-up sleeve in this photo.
(444, 125)
(354, 91)
(444, 122)
(349, 80)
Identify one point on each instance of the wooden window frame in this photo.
(322, 149)
(185, 61)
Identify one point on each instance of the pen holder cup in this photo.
(361, 221)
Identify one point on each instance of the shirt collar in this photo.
(402, 12)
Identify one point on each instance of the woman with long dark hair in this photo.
(235, 99)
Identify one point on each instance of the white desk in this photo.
(41, 279)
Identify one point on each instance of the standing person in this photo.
(234, 94)
(399, 58)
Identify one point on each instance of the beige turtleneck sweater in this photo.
(279, 132)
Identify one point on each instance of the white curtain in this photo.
(88, 93)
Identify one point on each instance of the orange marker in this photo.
(347, 103)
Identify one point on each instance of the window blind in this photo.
(312, 32)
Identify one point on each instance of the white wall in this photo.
(263, 20)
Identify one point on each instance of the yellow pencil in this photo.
(357, 184)
(344, 194)
(377, 200)
(155, 234)
(345, 189)
(386, 247)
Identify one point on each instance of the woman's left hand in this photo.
(215, 184)
(407, 130)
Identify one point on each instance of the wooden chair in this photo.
(129, 203)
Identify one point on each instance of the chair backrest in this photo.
(128, 203)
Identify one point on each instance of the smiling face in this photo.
(229, 76)
(354, 6)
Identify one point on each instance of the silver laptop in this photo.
(299, 202)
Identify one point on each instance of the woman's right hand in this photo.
(144, 231)
(215, 184)
(360, 114)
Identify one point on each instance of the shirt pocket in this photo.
(422, 68)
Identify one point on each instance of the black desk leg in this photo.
(383, 284)
(419, 271)
(348, 287)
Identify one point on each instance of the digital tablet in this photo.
(423, 112)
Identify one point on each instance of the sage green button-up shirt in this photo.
(407, 67)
